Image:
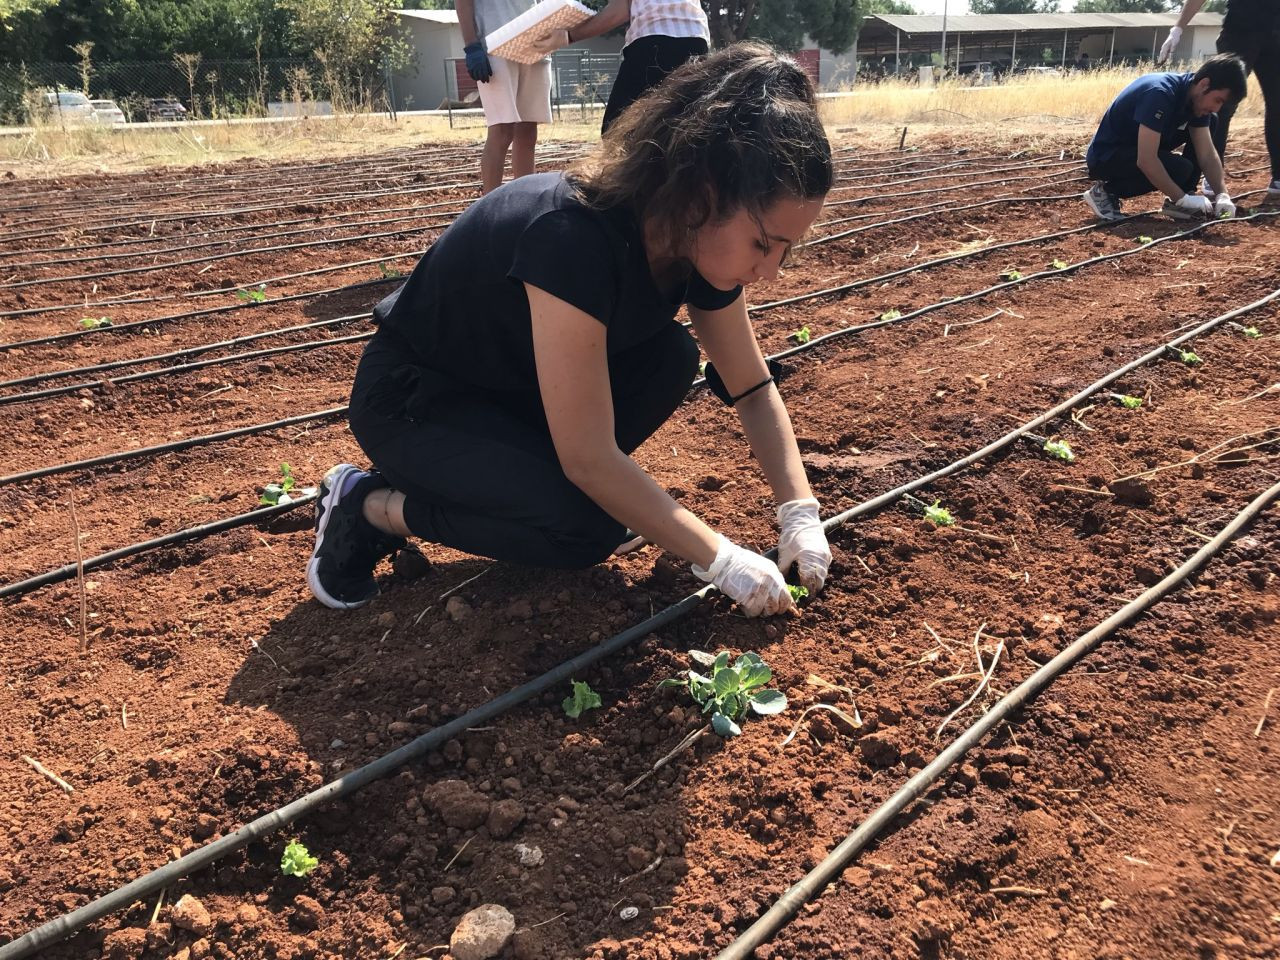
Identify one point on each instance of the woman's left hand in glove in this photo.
(803, 543)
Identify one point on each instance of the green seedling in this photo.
(801, 336)
(277, 494)
(702, 369)
(388, 272)
(1059, 264)
(257, 295)
(1011, 274)
(729, 691)
(94, 323)
(297, 861)
(1145, 239)
(939, 516)
(797, 593)
(1060, 449)
(890, 315)
(584, 698)
(1189, 357)
(1251, 332)
(1225, 215)
(1128, 402)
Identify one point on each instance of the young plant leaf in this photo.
(797, 593)
(1144, 239)
(1189, 357)
(802, 335)
(1011, 274)
(725, 681)
(1060, 449)
(297, 861)
(1059, 264)
(1251, 332)
(94, 323)
(584, 698)
(768, 702)
(939, 516)
(1129, 402)
(724, 726)
(891, 315)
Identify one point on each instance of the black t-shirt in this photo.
(1247, 15)
(464, 311)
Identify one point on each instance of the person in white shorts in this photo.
(661, 36)
(516, 97)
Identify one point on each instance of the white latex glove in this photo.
(1196, 204)
(755, 582)
(1175, 34)
(803, 543)
(1223, 206)
(550, 43)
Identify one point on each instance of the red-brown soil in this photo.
(1130, 812)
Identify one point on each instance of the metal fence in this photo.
(579, 79)
(208, 89)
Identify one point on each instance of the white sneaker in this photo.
(1103, 204)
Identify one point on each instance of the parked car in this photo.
(165, 108)
(106, 112)
(66, 105)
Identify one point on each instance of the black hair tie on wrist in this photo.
(716, 385)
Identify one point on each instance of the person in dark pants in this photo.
(536, 345)
(661, 36)
(1251, 31)
(1133, 151)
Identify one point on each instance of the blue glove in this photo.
(478, 62)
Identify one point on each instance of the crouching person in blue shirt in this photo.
(1133, 151)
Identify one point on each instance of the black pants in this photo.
(1124, 179)
(645, 63)
(478, 468)
(1261, 53)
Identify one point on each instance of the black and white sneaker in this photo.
(1105, 206)
(348, 547)
(1273, 192)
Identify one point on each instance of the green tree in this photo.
(889, 6)
(832, 24)
(1013, 6)
(1127, 6)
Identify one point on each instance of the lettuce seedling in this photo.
(257, 295)
(1059, 264)
(797, 593)
(702, 368)
(730, 690)
(1189, 357)
(1145, 239)
(939, 516)
(276, 494)
(1251, 332)
(801, 336)
(584, 698)
(1060, 449)
(95, 323)
(297, 861)
(1129, 402)
(890, 315)
(389, 272)
(1011, 274)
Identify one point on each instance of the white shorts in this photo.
(517, 92)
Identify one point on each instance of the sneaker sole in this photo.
(1108, 217)
(333, 492)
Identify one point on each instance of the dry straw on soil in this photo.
(55, 150)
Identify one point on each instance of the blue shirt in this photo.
(1155, 100)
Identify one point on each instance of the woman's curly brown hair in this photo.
(734, 130)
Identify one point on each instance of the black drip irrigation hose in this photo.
(873, 197)
(183, 368)
(812, 344)
(170, 873)
(175, 354)
(817, 879)
(72, 570)
(171, 447)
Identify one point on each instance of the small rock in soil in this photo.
(529, 856)
(997, 774)
(1132, 492)
(482, 933)
(879, 749)
(442, 894)
(190, 914)
(126, 944)
(410, 564)
(504, 817)
(457, 804)
(307, 912)
(457, 609)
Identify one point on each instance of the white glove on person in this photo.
(755, 582)
(804, 543)
(1223, 206)
(1175, 34)
(549, 44)
(1195, 204)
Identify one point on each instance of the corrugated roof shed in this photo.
(1008, 23)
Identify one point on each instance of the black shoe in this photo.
(348, 547)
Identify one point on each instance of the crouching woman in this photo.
(536, 345)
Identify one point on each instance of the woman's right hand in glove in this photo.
(755, 582)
